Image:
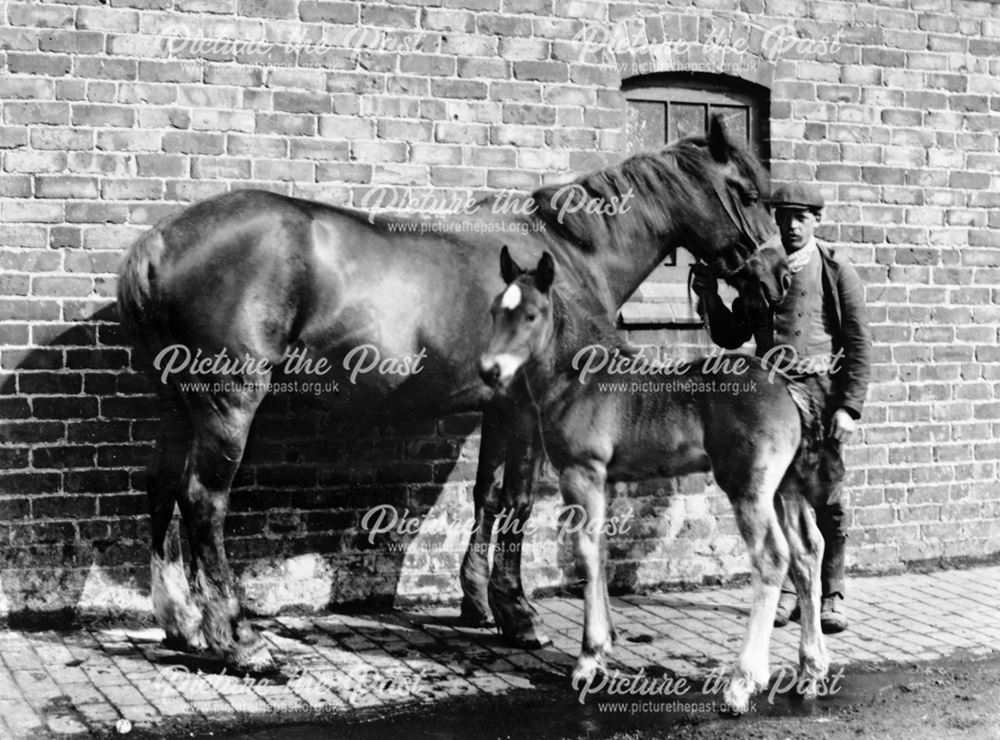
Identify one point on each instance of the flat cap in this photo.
(797, 195)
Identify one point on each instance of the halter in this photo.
(723, 266)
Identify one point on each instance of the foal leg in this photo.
(583, 488)
(221, 426)
(515, 617)
(758, 523)
(475, 572)
(805, 544)
(173, 605)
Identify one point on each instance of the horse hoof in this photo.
(182, 644)
(808, 688)
(529, 639)
(474, 616)
(255, 660)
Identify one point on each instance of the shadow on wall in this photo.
(79, 431)
(324, 510)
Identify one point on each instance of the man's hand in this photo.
(842, 426)
(703, 282)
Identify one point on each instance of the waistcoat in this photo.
(800, 321)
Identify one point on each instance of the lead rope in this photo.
(538, 417)
(704, 319)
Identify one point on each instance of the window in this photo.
(665, 107)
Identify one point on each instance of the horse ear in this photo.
(718, 141)
(545, 273)
(509, 269)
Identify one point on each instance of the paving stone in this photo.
(342, 663)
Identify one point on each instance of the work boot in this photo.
(788, 609)
(832, 615)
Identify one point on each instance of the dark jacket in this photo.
(844, 302)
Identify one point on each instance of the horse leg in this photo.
(757, 520)
(173, 605)
(805, 544)
(583, 490)
(475, 572)
(515, 617)
(221, 426)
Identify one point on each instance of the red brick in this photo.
(465, 90)
(449, 133)
(188, 142)
(61, 186)
(543, 71)
(490, 68)
(46, 65)
(172, 71)
(286, 124)
(56, 113)
(411, 131)
(41, 16)
(329, 12)
(103, 115)
(428, 64)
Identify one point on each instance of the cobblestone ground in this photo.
(113, 680)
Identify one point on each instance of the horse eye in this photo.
(530, 317)
(752, 196)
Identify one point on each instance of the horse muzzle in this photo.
(498, 371)
(489, 370)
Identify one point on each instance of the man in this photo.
(823, 319)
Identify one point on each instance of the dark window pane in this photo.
(663, 297)
(737, 120)
(686, 119)
(645, 125)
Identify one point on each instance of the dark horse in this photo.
(251, 276)
(735, 419)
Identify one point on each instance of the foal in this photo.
(743, 426)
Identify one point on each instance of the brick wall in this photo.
(106, 126)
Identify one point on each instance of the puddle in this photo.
(551, 709)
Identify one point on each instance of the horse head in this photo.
(765, 279)
(523, 320)
(705, 193)
(750, 255)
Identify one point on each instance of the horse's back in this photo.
(751, 421)
(256, 274)
(227, 269)
(675, 424)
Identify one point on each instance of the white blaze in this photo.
(508, 365)
(511, 298)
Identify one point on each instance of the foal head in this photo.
(523, 321)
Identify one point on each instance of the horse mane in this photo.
(675, 174)
(576, 327)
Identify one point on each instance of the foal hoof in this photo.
(586, 669)
(813, 673)
(738, 694)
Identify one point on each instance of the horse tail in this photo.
(137, 309)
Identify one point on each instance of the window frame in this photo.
(699, 88)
